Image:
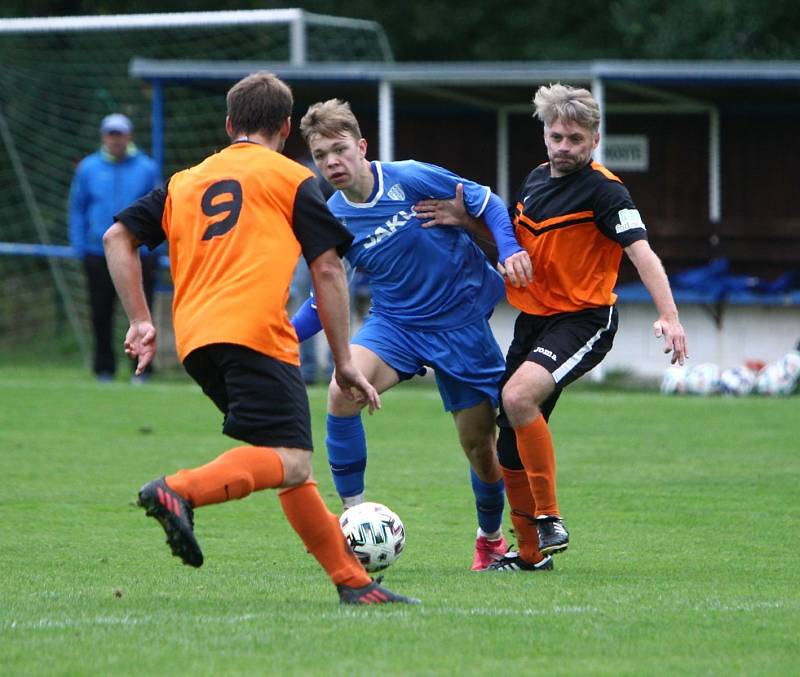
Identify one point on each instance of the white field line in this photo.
(353, 612)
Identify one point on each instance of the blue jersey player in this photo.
(433, 291)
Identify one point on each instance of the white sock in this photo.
(492, 536)
(350, 501)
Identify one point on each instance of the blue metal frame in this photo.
(157, 124)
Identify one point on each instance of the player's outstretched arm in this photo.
(453, 212)
(652, 274)
(333, 307)
(515, 262)
(494, 233)
(122, 256)
(445, 212)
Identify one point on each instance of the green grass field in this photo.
(684, 554)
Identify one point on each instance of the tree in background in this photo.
(469, 30)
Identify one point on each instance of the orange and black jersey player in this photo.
(220, 231)
(574, 227)
(234, 243)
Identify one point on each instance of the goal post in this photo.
(59, 76)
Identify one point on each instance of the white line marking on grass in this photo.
(523, 612)
(337, 613)
(750, 606)
(60, 624)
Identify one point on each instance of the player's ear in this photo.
(286, 128)
(362, 147)
(228, 127)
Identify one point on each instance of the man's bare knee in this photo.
(517, 402)
(338, 404)
(296, 466)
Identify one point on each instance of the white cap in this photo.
(116, 123)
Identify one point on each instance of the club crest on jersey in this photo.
(396, 192)
(389, 228)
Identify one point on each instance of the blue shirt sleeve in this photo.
(499, 223)
(306, 320)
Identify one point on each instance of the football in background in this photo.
(738, 381)
(702, 379)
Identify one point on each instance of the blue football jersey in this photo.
(426, 278)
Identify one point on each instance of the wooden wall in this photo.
(760, 225)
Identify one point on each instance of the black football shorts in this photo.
(263, 399)
(567, 344)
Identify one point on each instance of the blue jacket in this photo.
(101, 188)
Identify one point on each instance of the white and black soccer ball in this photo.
(674, 381)
(702, 379)
(738, 381)
(374, 533)
(791, 364)
(776, 380)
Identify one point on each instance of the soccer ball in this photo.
(776, 379)
(738, 381)
(703, 379)
(374, 533)
(791, 364)
(674, 381)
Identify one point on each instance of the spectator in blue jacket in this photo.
(105, 183)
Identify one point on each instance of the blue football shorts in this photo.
(467, 361)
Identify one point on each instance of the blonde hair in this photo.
(568, 104)
(329, 118)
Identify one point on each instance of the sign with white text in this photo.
(627, 152)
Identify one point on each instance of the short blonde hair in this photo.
(568, 104)
(329, 118)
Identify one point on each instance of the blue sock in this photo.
(347, 453)
(489, 502)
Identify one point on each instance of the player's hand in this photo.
(518, 269)
(674, 339)
(355, 387)
(140, 343)
(442, 212)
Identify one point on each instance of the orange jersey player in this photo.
(236, 225)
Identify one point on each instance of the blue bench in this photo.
(635, 292)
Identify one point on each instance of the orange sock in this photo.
(520, 498)
(535, 446)
(319, 530)
(235, 474)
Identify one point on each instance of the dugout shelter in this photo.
(706, 148)
(688, 138)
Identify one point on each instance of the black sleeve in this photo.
(315, 227)
(143, 218)
(616, 215)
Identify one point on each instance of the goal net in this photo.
(59, 77)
